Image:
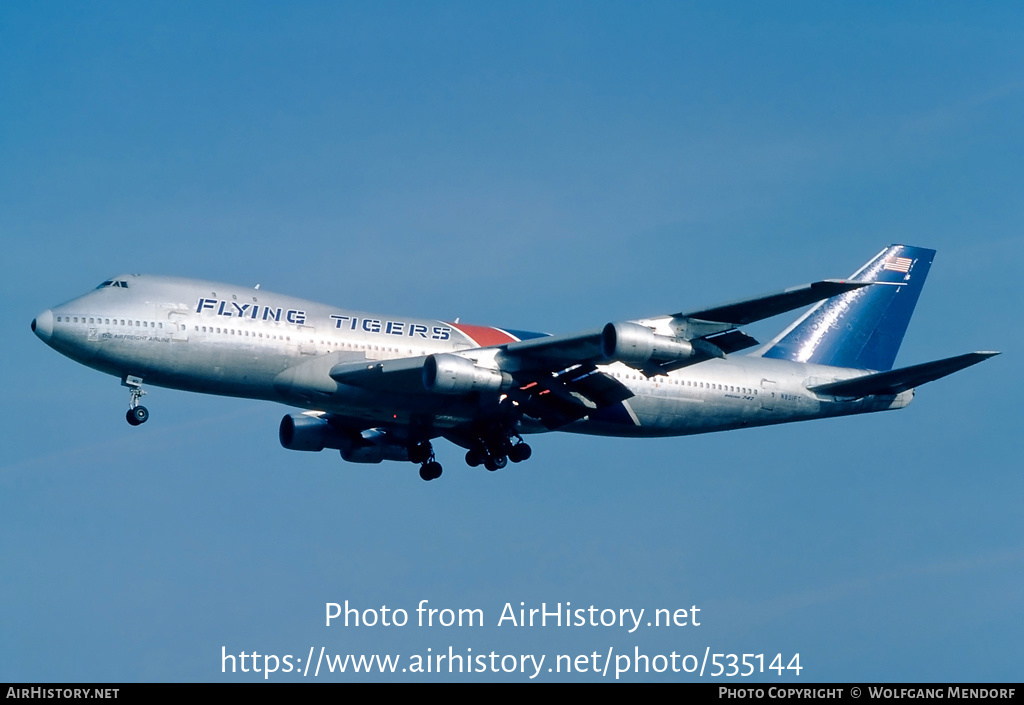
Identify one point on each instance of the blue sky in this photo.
(552, 167)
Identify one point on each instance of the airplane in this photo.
(384, 387)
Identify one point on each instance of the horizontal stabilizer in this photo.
(743, 312)
(896, 381)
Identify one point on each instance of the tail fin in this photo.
(863, 328)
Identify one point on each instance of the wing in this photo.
(556, 380)
(711, 332)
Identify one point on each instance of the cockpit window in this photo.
(120, 283)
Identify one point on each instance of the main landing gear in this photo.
(423, 453)
(137, 414)
(495, 453)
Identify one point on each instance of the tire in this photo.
(137, 416)
(430, 471)
(519, 453)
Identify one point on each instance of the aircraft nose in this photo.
(42, 325)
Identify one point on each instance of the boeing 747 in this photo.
(384, 387)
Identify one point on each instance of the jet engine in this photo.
(372, 446)
(444, 373)
(314, 433)
(635, 344)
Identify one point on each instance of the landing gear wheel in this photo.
(137, 415)
(495, 462)
(430, 470)
(475, 457)
(520, 452)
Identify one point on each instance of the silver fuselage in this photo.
(228, 340)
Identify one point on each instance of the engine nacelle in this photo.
(633, 343)
(444, 373)
(314, 433)
(372, 446)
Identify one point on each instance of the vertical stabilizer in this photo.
(862, 328)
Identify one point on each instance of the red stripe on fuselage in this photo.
(483, 335)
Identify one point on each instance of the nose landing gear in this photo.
(137, 414)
